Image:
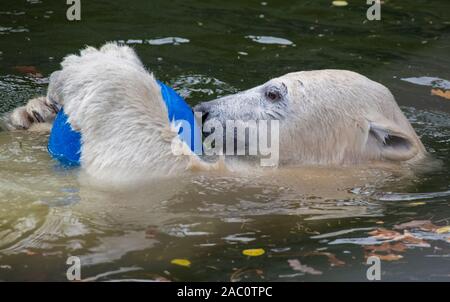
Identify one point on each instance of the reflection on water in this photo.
(312, 223)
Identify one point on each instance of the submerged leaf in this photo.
(29, 70)
(151, 232)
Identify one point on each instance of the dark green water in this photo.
(45, 215)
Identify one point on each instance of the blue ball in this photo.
(65, 143)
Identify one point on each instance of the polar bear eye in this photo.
(274, 93)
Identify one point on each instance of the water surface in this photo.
(324, 218)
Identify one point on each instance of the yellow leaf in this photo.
(443, 230)
(253, 252)
(419, 203)
(181, 262)
(441, 93)
(339, 3)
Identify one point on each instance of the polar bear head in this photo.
(325, 117)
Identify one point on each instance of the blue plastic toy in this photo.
(65, 143)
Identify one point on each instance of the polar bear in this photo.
(327, 117)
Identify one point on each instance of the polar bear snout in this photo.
(265, 102)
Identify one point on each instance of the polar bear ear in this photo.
(393, 143)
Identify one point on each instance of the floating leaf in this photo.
(441, 93)
(443, 230)
(387, 247)
(339, 3)
(410, 239)
(406, 237)
(384, 250)
(388, 257)
(181, 262)
(253, 252)
(297, 266)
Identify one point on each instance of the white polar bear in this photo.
(331, 117)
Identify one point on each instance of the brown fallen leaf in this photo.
(406, 237)
(29, 70)
(409, 238)
(334, 261)
(387, 247)
(297, 266)
(441, 93)
(386, 251)
(388, 257)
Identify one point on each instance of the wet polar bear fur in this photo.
(117, 106)
(327, 117)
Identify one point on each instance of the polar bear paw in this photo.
(39, 110)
